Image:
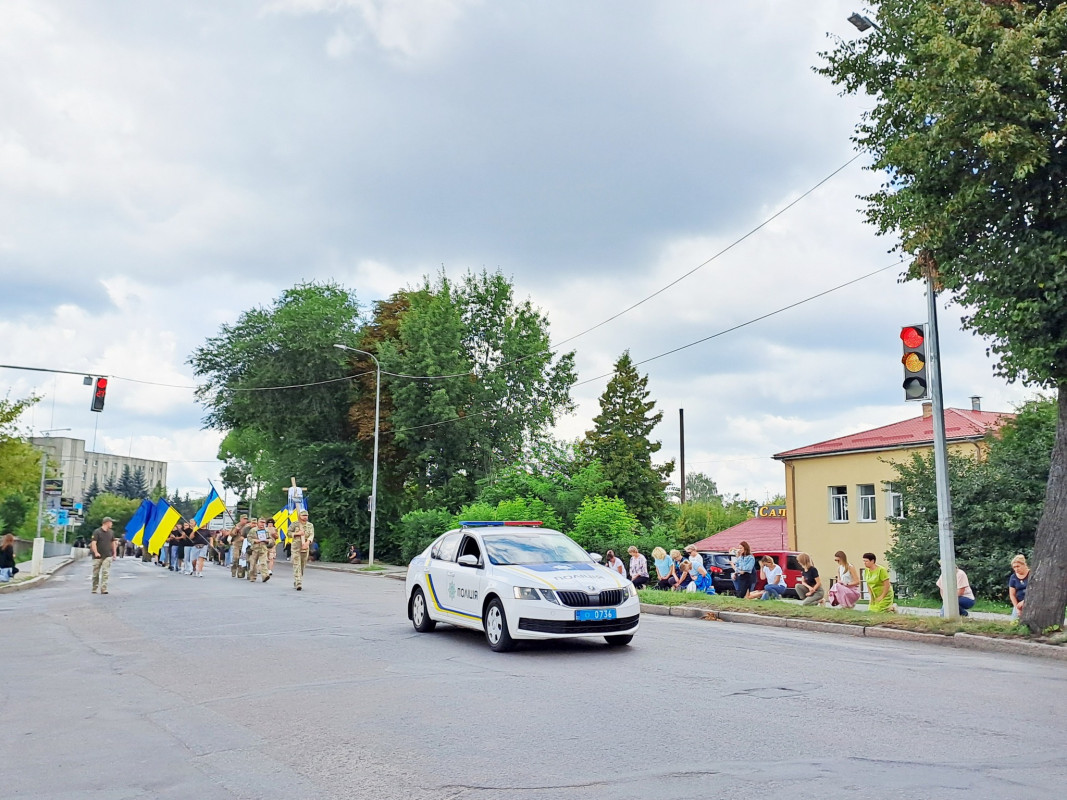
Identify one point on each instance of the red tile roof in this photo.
(761, 533)
(960, 425)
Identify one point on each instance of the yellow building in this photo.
(839, 493)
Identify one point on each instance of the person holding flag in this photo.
(135, 527)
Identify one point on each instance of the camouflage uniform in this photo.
(257, 557)
(236, 540)
(301, 534)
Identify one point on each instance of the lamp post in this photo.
(950, 605)
(374, 473)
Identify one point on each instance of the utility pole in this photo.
(945, 535)
(681, 452)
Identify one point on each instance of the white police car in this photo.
(514, 580)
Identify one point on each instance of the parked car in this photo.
(722, 572)
(787, 560)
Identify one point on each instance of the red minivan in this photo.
(787, 560)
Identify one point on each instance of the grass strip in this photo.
(777, 608)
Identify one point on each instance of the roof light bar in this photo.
(498, 524)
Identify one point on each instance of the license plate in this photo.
(594, 614)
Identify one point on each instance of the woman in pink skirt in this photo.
(846, 591)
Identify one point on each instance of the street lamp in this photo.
(374, 475)
(861, 22)
(950, 604)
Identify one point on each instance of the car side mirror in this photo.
(468, 560)
(596, 557)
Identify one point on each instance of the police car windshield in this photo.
(532, 548)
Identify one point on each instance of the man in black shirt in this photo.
(102, 546)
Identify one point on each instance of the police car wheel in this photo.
(420, 617)
(619, 641)
(496, 628)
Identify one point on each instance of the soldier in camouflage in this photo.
(301, 534)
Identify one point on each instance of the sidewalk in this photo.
(386, 571)
(24, 580)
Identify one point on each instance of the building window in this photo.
(867, 512)
(895, 501)
(838, 504)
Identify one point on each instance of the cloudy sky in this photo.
(165, 166)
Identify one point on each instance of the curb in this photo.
(964, 641)
(372, 574)
(36, 580)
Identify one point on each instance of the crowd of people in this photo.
(249, 548)
(678, 572)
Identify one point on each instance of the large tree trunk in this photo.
(1046, 596)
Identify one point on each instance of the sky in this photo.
(166, 166)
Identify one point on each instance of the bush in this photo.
(603, 523)
(418, 529)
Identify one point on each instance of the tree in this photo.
(90, 493)
(120, 509)
(274, 433)
(997, 505)
(700, 488)
(620, 442)
(124, 486)
(968, 122)
(138, 485)
(20, 466)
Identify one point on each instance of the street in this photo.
(177, 687)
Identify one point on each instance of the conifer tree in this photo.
(620, 441)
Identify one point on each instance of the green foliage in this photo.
(604, 523)
(700, 488)
(418, 529)
(997, 503)
(15, 510)
(698, 520)
(20, 467)
(120, 509)
(620, 442)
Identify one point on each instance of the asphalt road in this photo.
(177, 687)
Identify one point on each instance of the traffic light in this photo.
(916, 385)
(99, 394)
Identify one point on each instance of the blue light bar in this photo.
(533, 523)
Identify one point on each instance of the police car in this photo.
(516, 580)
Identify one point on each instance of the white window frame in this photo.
(894, 503)
(868, 504)
(838, 503)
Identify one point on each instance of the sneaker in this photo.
(266, 577)
(94, 591)
(299, 588)
(103, 591)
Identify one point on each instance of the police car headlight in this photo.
(526, 593)
(550, 596)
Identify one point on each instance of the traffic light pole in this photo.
(946, 539)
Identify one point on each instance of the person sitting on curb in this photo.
(809, 590)
(681, 569)
(664, 569)
(776, 586)
(701, 579)
(638, 567)
(963, 591)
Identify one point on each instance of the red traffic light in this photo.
(99, 395)
(912, 336)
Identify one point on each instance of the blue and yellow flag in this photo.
(164, 518)
(213, 506)
(135, 527)
(281, 522)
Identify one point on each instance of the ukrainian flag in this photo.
(164, 518)
(135, 527)
(213, 506)
(281, 521)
